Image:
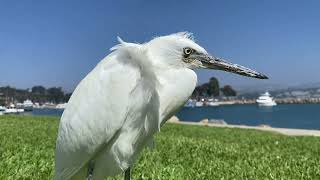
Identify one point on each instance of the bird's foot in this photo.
(90, 171)
(127, 174)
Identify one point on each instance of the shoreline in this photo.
(283, 131)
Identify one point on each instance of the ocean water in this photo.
(302, 116)
(45, 112)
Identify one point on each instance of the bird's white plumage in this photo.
(120, 104)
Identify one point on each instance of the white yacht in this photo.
(266, 100)
(27, 105)
(2, 108)
(213, 102)
(200, 103)
(61, 106)
(11, 109)
(190, 103)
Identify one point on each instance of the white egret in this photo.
(118, 107)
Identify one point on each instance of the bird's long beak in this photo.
(220, 64)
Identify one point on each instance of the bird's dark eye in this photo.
(187, 51)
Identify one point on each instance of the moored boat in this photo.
(266, 100)
(27, 105)
(2, 108)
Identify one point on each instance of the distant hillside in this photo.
(291, 92)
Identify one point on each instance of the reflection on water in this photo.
(265, 108)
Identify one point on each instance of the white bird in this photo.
(118, 107)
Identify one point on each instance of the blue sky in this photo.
(56, 43)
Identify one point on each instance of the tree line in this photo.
(56, 95)
(212, 89)
(38, 94)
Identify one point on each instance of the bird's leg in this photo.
(127, 174)
(90, 171)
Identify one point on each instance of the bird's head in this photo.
(180, 51)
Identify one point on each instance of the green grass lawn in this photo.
(27, 145)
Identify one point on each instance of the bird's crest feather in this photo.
(121, 44)
(187, 35)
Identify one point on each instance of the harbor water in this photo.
(301, 116)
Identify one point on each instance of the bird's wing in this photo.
(95, 112)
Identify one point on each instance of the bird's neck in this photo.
(175, 88)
